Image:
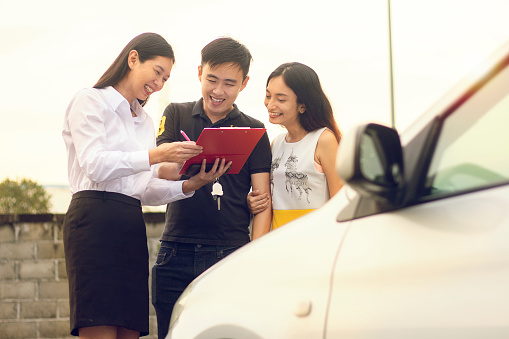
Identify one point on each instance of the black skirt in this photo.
(106, 258)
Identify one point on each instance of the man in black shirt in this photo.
(197, 233)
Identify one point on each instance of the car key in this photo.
(217, 192)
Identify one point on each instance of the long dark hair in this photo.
(148, 46)
(304, 82)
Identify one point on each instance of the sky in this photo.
(51, 49)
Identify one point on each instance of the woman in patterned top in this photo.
(303, 175)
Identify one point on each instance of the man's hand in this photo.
(257, 202)
(203, 177)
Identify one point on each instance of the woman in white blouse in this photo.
(112, 170)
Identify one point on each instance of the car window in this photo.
(473, 146)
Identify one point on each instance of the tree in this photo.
(23, 197)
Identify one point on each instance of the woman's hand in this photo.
(203, 177)
(169, 170)
(257, 202)
(178, 151)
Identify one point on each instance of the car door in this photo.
(437, 267)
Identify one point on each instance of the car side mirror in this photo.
(370, 160)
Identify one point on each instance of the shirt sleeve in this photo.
(261, 157)
(161, 191)
(88, 114)
(166, 132)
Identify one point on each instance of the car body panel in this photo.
(301, 281)
(433, 266)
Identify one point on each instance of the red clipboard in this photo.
(235, 144)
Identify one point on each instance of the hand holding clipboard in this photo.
(234, 144)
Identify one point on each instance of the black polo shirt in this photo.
(197, 220)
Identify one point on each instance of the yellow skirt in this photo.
(281, 217)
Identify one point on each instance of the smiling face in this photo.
(281, 103)
(144, 78)
(220, 86)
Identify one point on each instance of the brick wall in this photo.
(33, 281)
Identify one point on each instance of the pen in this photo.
(185, 135)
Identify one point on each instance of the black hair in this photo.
(148, 46)
(226, 50)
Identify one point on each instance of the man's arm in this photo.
(257, 202)
(262, 220)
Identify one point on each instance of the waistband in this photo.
(107, 196)
(196, 247)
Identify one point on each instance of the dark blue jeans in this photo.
(176, 266)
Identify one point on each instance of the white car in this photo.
(416, 245)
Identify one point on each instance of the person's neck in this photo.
(216, 117)
(295, 133)
(122, 89)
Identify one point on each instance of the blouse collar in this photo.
(115, 100)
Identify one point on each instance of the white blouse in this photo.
(108, 148)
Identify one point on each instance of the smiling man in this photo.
(197, 234)
(220, 86)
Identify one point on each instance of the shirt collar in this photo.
(115, 99)
(141, 115)
(198, 110)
